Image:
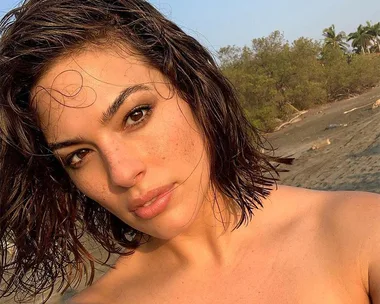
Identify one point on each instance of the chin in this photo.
(167, 227)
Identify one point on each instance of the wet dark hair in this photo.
(41, 211)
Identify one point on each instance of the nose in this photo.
(124, 168)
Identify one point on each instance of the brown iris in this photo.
(136, 116)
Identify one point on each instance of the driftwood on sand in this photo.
(374, 105)
(293, 120)
(320, 144)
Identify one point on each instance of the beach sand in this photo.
(352, 159)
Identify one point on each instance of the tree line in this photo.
(275, 78)
(366, 39)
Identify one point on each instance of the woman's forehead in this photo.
(90, 80)
(79, 78)
(97, 67)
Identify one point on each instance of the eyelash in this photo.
(67, 161)
(148, 109)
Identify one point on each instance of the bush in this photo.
(274, 78)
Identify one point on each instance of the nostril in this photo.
(126, 175)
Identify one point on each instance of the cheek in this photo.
(94, 188)
(93, 183)
(177, 138)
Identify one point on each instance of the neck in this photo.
(210, 240)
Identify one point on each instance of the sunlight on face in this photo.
(123, 136)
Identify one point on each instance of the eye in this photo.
(74, 159)
(137, 115)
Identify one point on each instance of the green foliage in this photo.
(334, 40)
(374, 32)
(306, 84)
(365, 72)
(274, 78)
(361, 39)
(337, 74)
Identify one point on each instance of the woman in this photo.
(117, 124)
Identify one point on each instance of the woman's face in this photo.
(126, 140)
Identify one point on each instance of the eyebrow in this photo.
(63, 144)
(114, 107)
(106, 116)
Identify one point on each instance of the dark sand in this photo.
(350, 162)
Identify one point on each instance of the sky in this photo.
(218, 23)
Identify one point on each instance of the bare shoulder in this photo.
(348, 226)
(356, 219)
(112, 287)
(94, 294)
(350, 216)
(354, 212)
(337, 210)
(348, 219)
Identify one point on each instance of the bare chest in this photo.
(269, 278)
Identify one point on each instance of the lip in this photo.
(150, 197)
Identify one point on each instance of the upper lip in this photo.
(151, 195)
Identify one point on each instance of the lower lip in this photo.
(156, 208)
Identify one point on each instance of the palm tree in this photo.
(334, 40)
(361, 39)
(374, 31)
